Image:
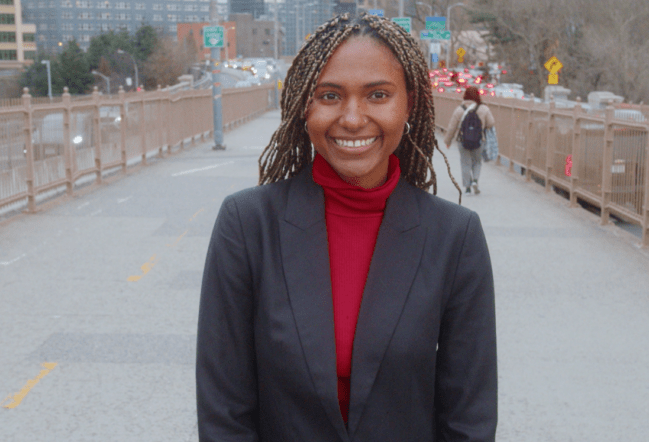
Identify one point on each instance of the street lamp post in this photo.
(119, 51)
(448, 20)
(105, 78)
(49, 78)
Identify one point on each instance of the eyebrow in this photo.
(365, 86)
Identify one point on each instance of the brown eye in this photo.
(379, 95)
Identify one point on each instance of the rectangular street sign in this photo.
(435, 35)
(435, 23)
(378, 12)
(404, 22)
(434, 48)
(213, 36)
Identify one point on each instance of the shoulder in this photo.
(440, 213)
(264, 200)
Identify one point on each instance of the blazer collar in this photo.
(305, 259)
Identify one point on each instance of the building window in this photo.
(122, 5)
(67, 37)
(67, 27)
(172, 17)
(43, 26)
(104, 16)
(8, 37)
(41, 5)
(85, 27)
(122, 16)
(140, 6)
(157, 7)
(206, 18)
(191, 7)
(83, 4)
(172, 29)
(7, 55)
(28, 5)
(85, 16)
(157, 17)
(41, 38)
(103, 5)
(173, 8)
(66, 4)
(29, 55)
(7, 19)
(6, 2)
(205, 8)
(85, 38)
(28, 37)
(139, 17)
(66, 15)
(105, 27)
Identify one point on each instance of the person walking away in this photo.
(459, 127)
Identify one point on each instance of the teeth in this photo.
(357, 143)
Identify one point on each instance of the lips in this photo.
(345, 144)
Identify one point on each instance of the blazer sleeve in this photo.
(466, 374)
(226, 388)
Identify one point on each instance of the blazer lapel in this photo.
(305, 258)
(396, 258)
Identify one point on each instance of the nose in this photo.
(353, 116)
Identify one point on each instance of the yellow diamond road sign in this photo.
(460, 52)
(553, 65)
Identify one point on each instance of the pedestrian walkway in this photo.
(106, 286)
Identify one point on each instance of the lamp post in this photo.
(105, 78)
(448, 20)
(49, 78)
(119, 51)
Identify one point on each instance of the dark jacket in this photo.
(266, 357)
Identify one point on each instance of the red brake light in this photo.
(504, 71)
(458, 90)
(477, 80)
(493, 94)
(490, 85)
(441, 89)
(482, 92)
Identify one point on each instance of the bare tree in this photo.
(168, 61)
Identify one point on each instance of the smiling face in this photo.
(359, 111)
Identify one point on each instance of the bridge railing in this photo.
(49, 148)
(599, 159)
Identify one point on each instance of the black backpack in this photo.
(470, 134)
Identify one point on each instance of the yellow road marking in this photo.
(146, 267)
(178, 239)
(192, 218)
(17, 398)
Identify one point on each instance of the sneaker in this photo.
(475, 188)
(468, 190)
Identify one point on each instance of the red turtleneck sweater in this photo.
(353, 216)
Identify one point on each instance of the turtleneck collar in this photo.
(342, 198)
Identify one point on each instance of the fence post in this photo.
(159, 121)
(576, 151)
(97, 129)
(645, 211)
(607, 162)
(170, 141)
(549, 146)
(122, 126)
(69, 155)
(29, 147)
(143, 127)
(529, 147)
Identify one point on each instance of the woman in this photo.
(471, 159)
(287, 352)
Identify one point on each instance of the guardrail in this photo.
(49, 148)
(599, 159)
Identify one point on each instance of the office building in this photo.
(17, 45)
(254, 7)
(59, 21)
(299, 18)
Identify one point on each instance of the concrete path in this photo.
(106, 286)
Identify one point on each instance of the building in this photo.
(299, 18)
(254, 7)
(17, 46)
(59, 21)
(345, 7)
(194, 31)
(256, 38)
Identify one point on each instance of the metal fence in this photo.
(597, 158)
(48, 148)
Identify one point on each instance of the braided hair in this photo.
(290, 149)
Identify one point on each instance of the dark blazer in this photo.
(266, 357)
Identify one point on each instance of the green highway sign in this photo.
(435, 23)
(213, 37)
(435, 35)
(404, 22)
